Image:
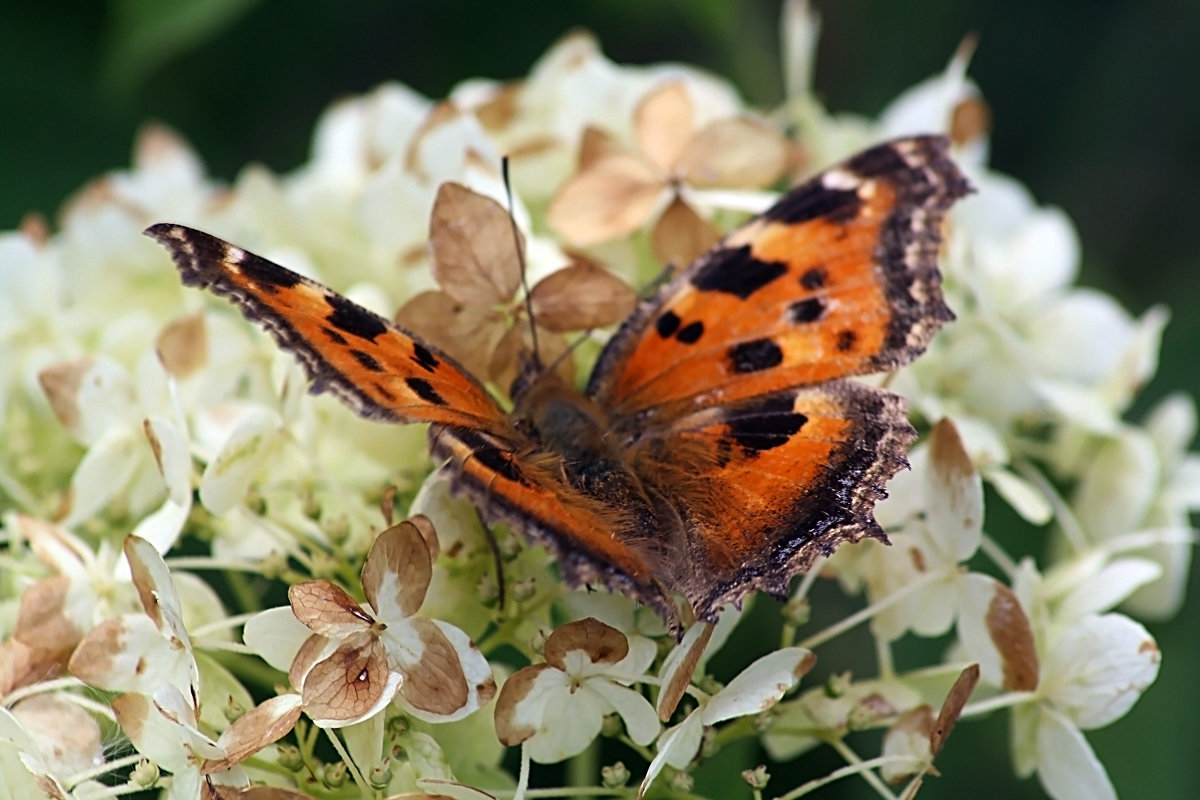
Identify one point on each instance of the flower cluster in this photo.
(165, 478)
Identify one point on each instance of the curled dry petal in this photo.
(602, 643)
(611, 198)
(952, 706)
(663, 123)
(397, 572)
(1012, 635)
(581, 296)
(254, 730)
(475, 257)
(680, 665)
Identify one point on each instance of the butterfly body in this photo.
(720, 445)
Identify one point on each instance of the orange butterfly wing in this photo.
(376, 368)
(729, 388)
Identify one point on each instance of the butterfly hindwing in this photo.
(379, 370)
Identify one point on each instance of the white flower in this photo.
(556, 708)
(350, 661)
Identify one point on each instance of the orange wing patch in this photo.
(370, 364)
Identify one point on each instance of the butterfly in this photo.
(720, 445)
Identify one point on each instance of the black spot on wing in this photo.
(733, 270)
(846, 339)
(690, 333)
(667, 323)
(351, 318)
(755, 355)
(424, 390)
(809, 310)
(267, 276)
(333, 335)
(815, 200)
(814, 278)
(765, 423)
(423, 358)
(367, 361)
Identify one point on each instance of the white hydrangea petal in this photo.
(1067, 767)
(1098, 668)
(170, 447)
(954, 497)
(760, 685)
(1119, 485)
(641, 721)
(1108, 587)
(1025, 498)
(676, 747)
(275, 635)
(239, 460)
(570, 721)
(105, 471)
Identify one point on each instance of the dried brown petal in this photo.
(509, 730)
(738, 152)
(603, 644)
(326, 608)
(436, 683)
(595, 144)
(22, 665)
(552, 352)
(425, 527)
(681, 676)
(952, 707)
(471, 239)
(468, 334)
(1012, 635)
(41, 621)
(349, 682)
(663, 123)
(681, 235)
(254, 730)
(581, 296)
(399, 563)
(182, 346)
(60, 383)
(611, 198)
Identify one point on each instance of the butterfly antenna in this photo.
(519, 241)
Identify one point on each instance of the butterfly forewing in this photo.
(838, 278)
(379, 370)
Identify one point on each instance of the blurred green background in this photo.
(1095, 107)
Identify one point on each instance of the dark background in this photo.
(1095, 108)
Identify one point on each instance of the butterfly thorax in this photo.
(574, 432)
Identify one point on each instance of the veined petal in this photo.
(570, 721)
(522, 701)
(255, 729)
(663, 123)
(434, 684)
